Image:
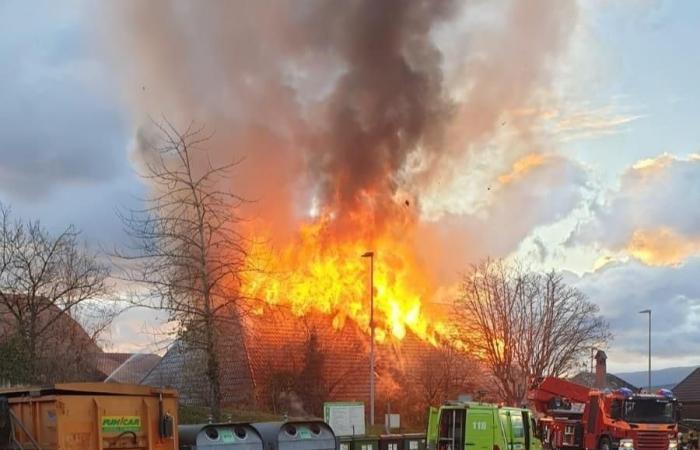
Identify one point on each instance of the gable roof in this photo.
(64, 332)
(183, 367)
(260, 350)
(688, 390)
(611, 381)
(128, 368)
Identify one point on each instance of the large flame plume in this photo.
(357, 118)
(324, 272)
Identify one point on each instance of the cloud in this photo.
(140, 330)
(573, 121)
(58, 126)
(538, 189)
(672, 293)
(661, 247)
(653, 216)
(592, 124)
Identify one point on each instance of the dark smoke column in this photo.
(388, 102)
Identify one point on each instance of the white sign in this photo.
(392, 420)
(346, 418)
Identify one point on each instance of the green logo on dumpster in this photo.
(120, 424)
(227, 436)
(304, 433)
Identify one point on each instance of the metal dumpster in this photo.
(88, 416)
(365, 443)
(391, 442)
(296, 435)
(414, 441)
(219, 436)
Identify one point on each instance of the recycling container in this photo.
(219, 436)
(365, 443)
(88, 416)
(391, 442)
(414, 441)
(344, 442)
(296, 435)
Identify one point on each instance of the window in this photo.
(518, 428)
(451, 429)
(616, 409)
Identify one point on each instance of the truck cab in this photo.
(479, 426)
(631, 421)
(574, 417)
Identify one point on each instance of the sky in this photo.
(611, 201)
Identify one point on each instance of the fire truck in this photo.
(574, 417)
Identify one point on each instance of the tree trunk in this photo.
(213, 372)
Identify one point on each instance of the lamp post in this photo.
(648, 311)
(370, 255)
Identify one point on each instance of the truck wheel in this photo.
(604, 444)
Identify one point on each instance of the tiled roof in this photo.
(67, 351)
(65, 331)
(688, 390)
(128, 368)
(611, 381)
(184, 368)
(109, 362)
(276, 342)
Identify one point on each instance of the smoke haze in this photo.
(394, 114)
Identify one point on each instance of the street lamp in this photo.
(370, 255)
(648, 311)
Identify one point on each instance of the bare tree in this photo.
(525, 325)
(45, 280)
(186, 249)
(444, 373)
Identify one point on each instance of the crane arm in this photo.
(550, 388)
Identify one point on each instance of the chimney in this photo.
(600, 370)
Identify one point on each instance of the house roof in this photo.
(64, 332)
(183, 367)
(276, 341)
(611, 381)
(260, 347)
(688, 390)
(126, 367)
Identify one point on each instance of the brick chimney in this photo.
(600, 370)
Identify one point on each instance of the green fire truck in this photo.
(481, 426)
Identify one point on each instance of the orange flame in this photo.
(326, 273)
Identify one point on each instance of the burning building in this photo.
(363, 127)
(283, 363)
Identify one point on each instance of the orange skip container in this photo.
(88, 416)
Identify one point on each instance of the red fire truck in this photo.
(574, 417)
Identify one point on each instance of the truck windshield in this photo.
(650, 410)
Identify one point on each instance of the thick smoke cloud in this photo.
(389, 101)
(346, 108)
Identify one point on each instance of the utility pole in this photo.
(648, 311)
(370, 255)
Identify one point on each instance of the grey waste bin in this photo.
(365, 443)
(391, 442)
(219, 436)
(344, 442)
(414, 441)
(296, 435)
